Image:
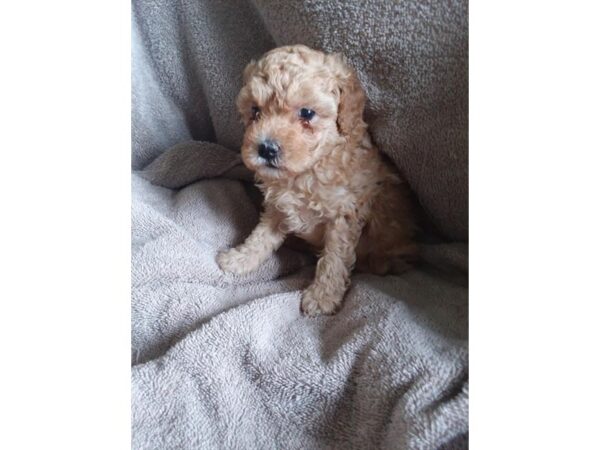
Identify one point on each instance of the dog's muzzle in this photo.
(268, 150)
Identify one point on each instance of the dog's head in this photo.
(297, 104)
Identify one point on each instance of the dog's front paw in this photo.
(316, 301)
(234, 261)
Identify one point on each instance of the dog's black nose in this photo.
(268, 149)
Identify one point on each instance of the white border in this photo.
(534, 221)
(64, 249)
(65, 236)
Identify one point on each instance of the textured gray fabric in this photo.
(187, 162)
(222, 361)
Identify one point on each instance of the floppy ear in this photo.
(351, 100)
(244, 98)
(248, 71)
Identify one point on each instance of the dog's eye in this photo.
(306, 114)
(255, 113)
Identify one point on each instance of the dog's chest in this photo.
(305, 209)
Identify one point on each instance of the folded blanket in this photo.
(224, 361)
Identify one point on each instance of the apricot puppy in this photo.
(321, 177)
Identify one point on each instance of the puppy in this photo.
(322, 178)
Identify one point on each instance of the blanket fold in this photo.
(191, 161)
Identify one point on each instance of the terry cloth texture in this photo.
(222, 361)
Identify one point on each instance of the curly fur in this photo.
(329, 184)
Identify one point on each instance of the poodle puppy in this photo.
(322, 178)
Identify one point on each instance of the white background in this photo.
(65, 227)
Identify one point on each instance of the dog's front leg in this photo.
(332, 276)
(264, 240)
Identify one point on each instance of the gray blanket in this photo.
(222, 361)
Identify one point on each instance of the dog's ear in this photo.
(248, 71)
(244, 98)
(352, 99)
